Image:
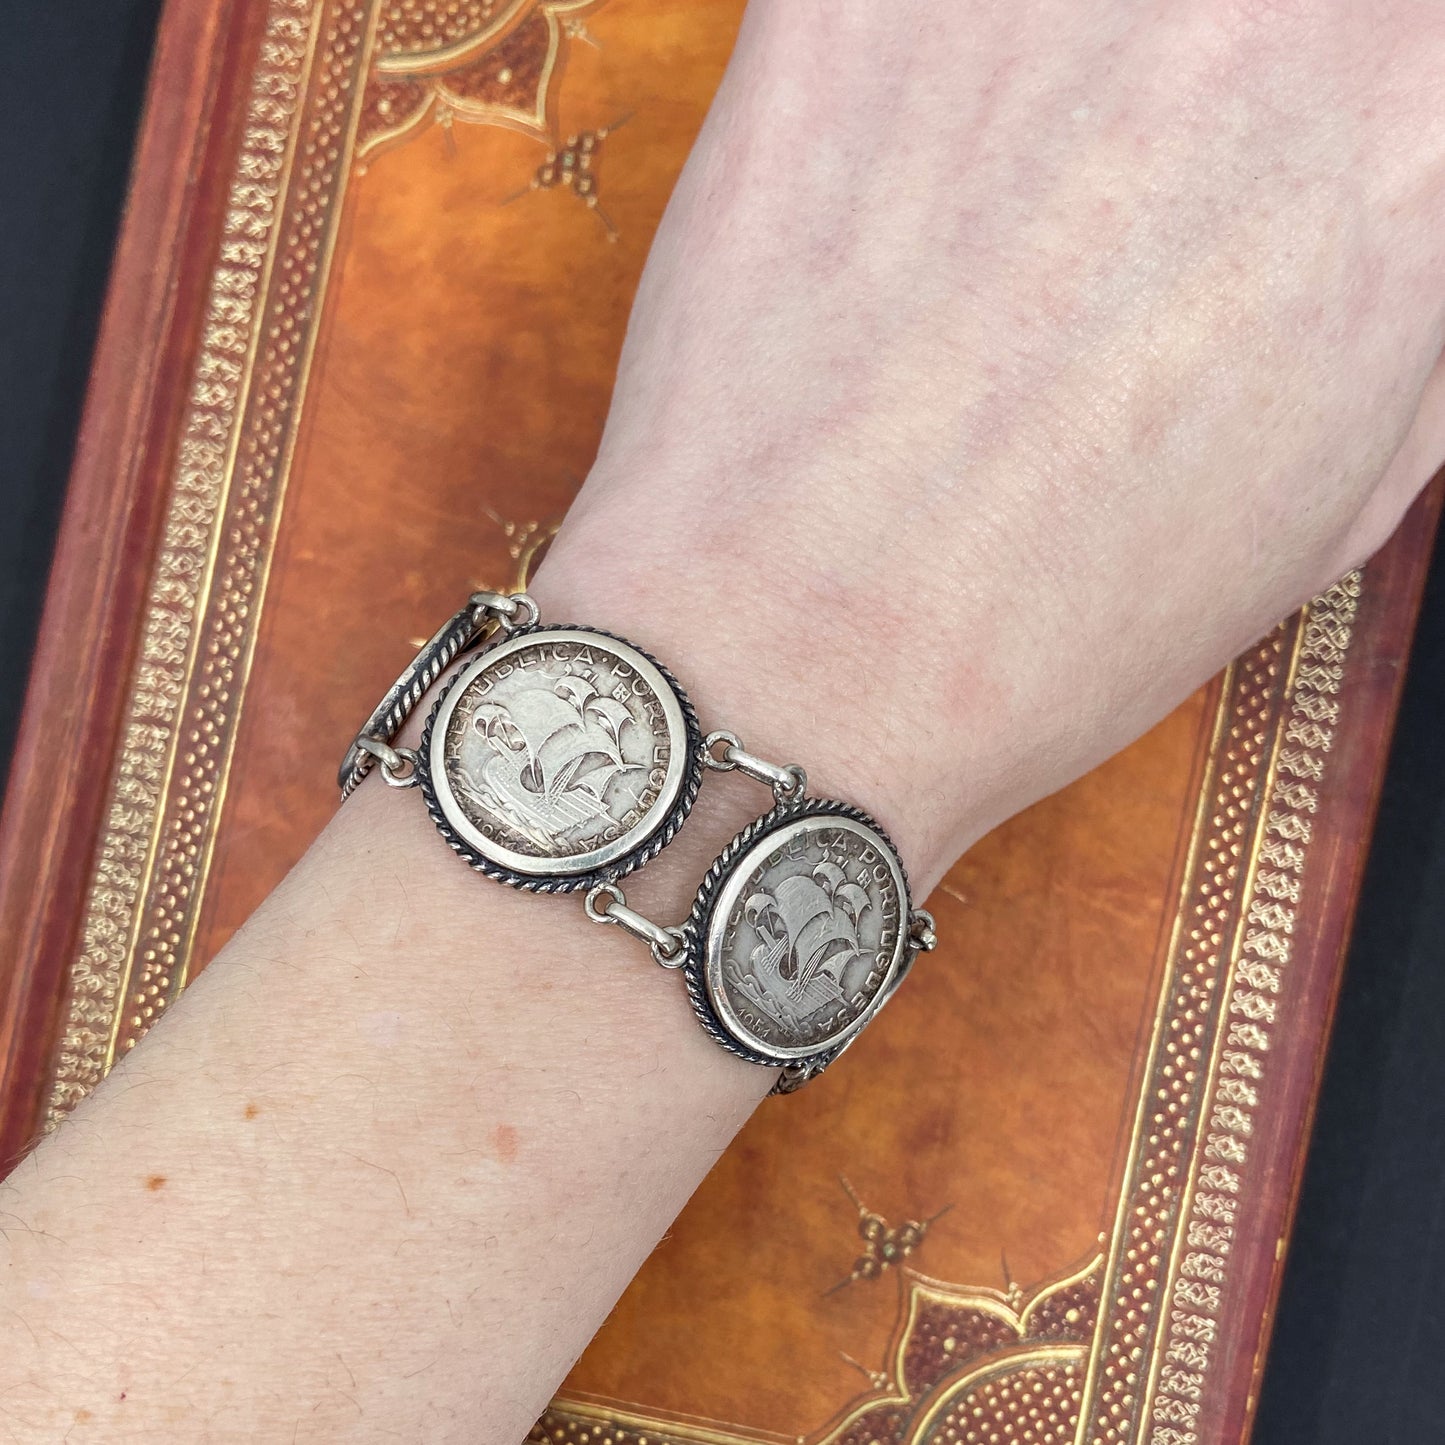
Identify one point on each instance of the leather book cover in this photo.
(358, 348)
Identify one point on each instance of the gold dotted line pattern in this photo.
(1037, 1405)
(420, 25)
(1260, 971)
(199, 621)
(250, 515)
(1184, 1030)
(198, 483)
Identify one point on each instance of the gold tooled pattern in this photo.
(427, 28)
(226, 487)
(885, 1245)
(964, 1365)
(1150, 1203)
(967, 1354)
(1257, 992)
(492, 65)
(1225, 988)
(223, 501)
(1025, 1402)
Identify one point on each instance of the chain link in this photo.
(510, 610)
(788, 781)
(668, 945)
(398, 765)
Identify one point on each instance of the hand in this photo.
(999, 372)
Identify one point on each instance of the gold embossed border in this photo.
(227, 482)
(487, 66)
(1257, 997)
(974, 1356)
(1225, 988)
(310, 93)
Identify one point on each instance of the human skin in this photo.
(999, 371)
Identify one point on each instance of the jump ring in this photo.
(398, 765)
(404, 774)
(510, 609)
(795, 787)
(526, 604)
(674, 957)
(722, 764)
(921, 929)
(589, 904)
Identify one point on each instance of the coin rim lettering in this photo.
(607, 861)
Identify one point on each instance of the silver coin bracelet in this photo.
(559, 759)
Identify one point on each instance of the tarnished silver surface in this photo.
(723, 752)
(483, 612)
(800, 933)
(398, 765)
(607, 903)
(560, 753)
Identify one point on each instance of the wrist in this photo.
(799, 665)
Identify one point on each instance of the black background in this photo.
(1359, 1352)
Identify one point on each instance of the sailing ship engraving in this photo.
(805, 933)
(807, 926)
(808, 929)
(559, 754)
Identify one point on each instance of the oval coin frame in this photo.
(608, 861)
(727, 877)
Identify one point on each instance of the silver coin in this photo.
(806, 936)
(558, 752)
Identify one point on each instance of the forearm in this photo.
(382, 1174)
(388, 1164)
